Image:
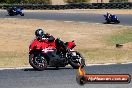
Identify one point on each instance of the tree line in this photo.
(26, 1)
(77, 1)
(118, 0)
(49, 1)
(87, 1)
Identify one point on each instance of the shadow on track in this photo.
(50, 68)
(110, 23)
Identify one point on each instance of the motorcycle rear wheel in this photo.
(22, 14)
(117, 22)
(38, 62)
(11, 14)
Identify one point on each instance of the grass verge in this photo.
(92, 40)
(121, 37)
(94, 11)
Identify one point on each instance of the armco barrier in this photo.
(73, 6)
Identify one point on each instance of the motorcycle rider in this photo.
(40, 35)
(13, 9)
(109, 15)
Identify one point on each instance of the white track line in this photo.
(50, 20)
(101, 64)
(15, 68)
(127, 63)
(108, 64)
(83, 22)
(68, 21)
(86, 65)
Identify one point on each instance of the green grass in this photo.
(100, 56)
(121, 37)
(111, 55)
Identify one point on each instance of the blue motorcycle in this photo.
(12, 11)
(111, 18)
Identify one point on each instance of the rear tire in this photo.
(117, 21)
(108, 22)
(34, 62)
(22, 14)
(11, 14)
(76, 65)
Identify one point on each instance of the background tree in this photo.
(118, 1)
(26, 1)
(77, 1)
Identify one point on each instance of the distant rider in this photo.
(109, 15)
(13, 9)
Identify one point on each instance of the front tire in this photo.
(108, 22)
(38, 62)
(77, 64)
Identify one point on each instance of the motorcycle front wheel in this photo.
(76, 63)
(38, 62)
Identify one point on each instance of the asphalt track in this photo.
(64, 77)
(79, 17)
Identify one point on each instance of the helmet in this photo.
(39, 33)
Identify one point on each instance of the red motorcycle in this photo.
(45, 53)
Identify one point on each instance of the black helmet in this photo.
(39, 33)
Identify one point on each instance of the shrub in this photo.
(77, 1)
(118, 1)
(26, 1)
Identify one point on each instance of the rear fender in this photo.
(71, 45)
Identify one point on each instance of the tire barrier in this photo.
(72, 6)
